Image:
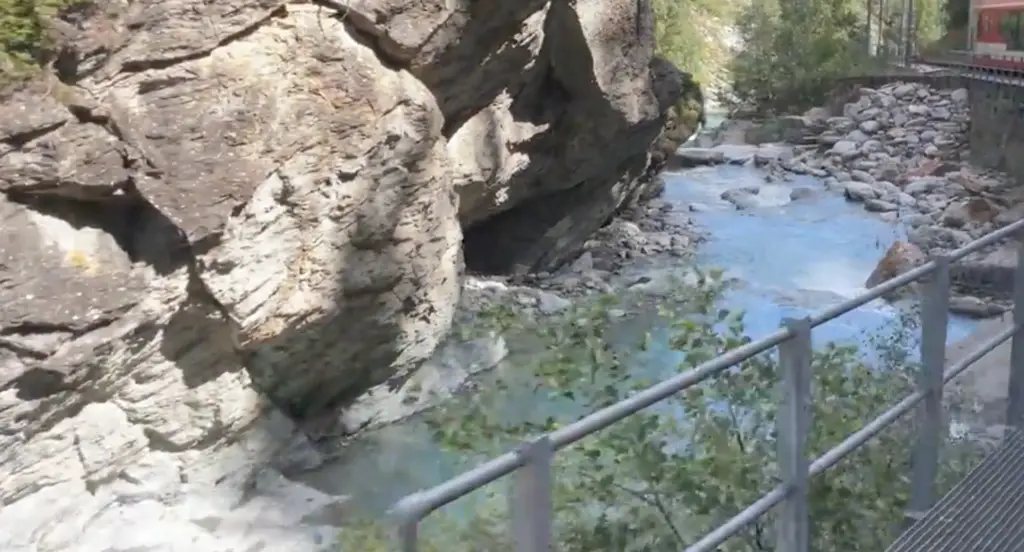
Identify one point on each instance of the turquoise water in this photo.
(790, 258)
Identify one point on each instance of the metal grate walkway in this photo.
(984, 513)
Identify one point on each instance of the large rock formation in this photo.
(215, 212)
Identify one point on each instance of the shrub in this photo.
(24, 40)
(662, 478)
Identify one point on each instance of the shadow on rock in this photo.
(590, 175)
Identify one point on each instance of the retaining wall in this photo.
(997, 113)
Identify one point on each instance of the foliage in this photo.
(794, 51)
(23, 36)
(662, 478)
(793, 56)
(689, 33)
(957, 13)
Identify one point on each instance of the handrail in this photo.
(531, 506)
(975, 65)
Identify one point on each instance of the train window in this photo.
(1007, 27)
(1010, 30)
(1018, 34)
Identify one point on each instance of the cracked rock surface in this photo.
(222, 222)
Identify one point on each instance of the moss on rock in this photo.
(684, 118)
(24, 37)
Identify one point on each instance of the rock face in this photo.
(218, 212)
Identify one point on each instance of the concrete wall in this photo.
(997, 132)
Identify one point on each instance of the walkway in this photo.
(984, 513)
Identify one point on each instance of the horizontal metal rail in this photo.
(532, 494)
(836, 454)
(976, 66)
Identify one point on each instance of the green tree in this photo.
(689, 33)
(957, 12)
(660, 479)
(795, 50)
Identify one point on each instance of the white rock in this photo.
(860, 191)
(870, 127)
(844, 148)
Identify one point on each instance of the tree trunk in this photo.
(868, 35)
(880, 46)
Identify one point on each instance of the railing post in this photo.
(929, 423)
(1015, 393)
(407, 535)
(793, 424)
(531, 503)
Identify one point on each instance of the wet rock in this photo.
(549, 303)
(860, 191)
(742, 198)
(697, 157)
(802, 193)
(734, 154)
(880, 206)
(974, 307)
(900, 258)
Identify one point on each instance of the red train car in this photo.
(999, 34)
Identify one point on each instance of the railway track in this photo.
(962, 64)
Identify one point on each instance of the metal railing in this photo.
(530, 497)
(994, 67)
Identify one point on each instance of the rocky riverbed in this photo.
(901, 151)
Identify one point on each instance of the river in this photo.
(791, 257)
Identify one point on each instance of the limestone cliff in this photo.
(210, 204)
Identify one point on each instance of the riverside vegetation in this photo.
(660, 479)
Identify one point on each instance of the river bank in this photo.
(785, 222)
(790, 279)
